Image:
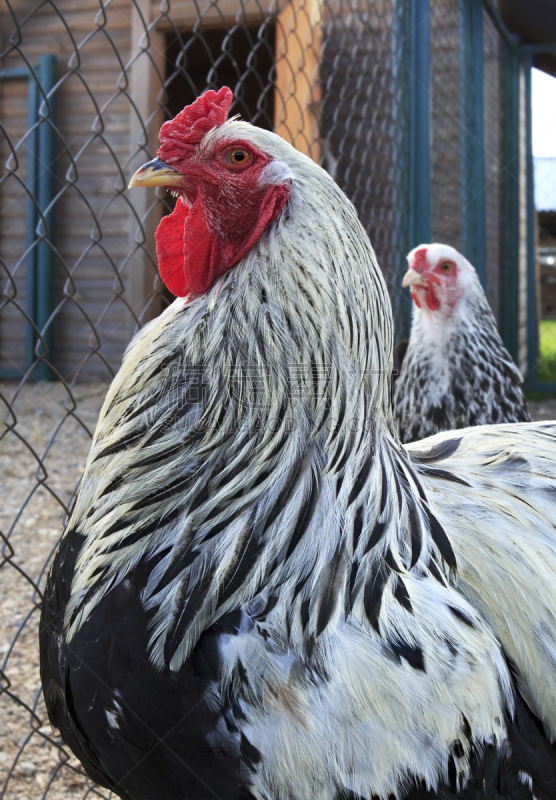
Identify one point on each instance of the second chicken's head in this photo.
(439, 277)
(229, 188)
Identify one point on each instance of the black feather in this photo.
(361, 479)
(357, 527)
(159, 521)
(462, 616)
(242, 566)
(436, 472)
(414, 533)
(122, 444)
(330, 592)
(194, 597)
(412, 653)
(177, 567)
(402, 595)
(376, 535)
(383, 487)
(304, 516)
(112, 486)
(441, 541)
(372, 595)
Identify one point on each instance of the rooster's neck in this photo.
(254, 423)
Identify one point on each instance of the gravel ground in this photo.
(41, 427)
(44, 425)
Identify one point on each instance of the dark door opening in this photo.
(241, 58)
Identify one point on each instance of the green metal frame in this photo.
(473, 206)
(518, 56)
(509, 286)
(411, 157)
(401, 117)
(40, 257)
(420, 98)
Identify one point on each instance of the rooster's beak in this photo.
(156, 173)
(412, 278)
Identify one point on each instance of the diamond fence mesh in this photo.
(84, 88)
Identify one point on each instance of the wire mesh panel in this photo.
(356, 125)
(84, 88)
(14, 94)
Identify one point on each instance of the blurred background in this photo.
(436, 117)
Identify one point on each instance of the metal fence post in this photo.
(45, 253)
(473, 205)
(31, 260)
(420, 169)
(509, 272)
(401, 119)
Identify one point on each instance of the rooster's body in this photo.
(455, 371)
(256, 593)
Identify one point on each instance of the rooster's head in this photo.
(439, 277)
(229, 191)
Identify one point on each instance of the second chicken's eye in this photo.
(238, 156)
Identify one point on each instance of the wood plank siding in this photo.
(13, 204)
(111, 81)
(92, 218)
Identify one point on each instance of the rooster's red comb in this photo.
(188, 127)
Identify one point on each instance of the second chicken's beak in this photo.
(156, 173)
(412, 278)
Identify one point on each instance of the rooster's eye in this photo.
(238, 156)
(446, 266)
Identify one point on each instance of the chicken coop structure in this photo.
(418, 108)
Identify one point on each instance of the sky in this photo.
(544, 114)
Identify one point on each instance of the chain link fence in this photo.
(84, 88)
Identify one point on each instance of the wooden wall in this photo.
(90, 273)
(13, 205)
(108, 111)
(298, 86)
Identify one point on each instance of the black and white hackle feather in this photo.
(260, 595)
(455, 371)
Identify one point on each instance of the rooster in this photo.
(455, 371)
(260, 595)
